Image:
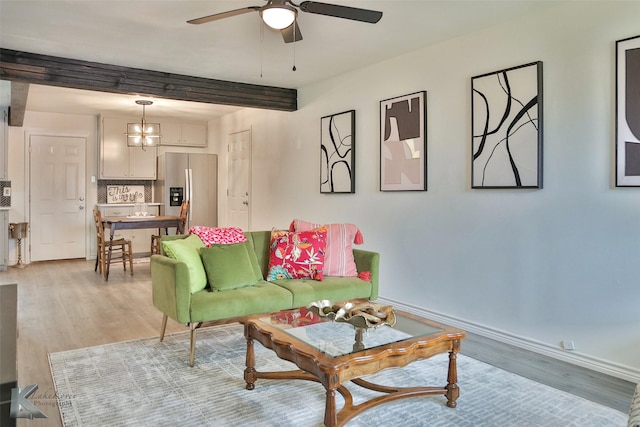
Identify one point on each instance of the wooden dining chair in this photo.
(155, 239)
(121, 249)
(184, 213)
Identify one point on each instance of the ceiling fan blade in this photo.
(337, 11)
(223, 15)
(288, 33)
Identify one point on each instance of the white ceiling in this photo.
(154, 35)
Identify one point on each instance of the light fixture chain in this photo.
(261, 45)
(295, 27)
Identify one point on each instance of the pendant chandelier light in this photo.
(143, 134)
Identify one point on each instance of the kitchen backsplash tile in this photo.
(5, 194)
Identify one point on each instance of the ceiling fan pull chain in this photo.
(261, 44)
(295, 24)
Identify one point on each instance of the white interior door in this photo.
(239, 180)
(57, 194)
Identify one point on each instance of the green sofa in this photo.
(173, 297)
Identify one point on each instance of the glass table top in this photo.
(340, 338)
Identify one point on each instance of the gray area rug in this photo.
(149, 383)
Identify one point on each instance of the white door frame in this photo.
(26, 243)
(249, 174)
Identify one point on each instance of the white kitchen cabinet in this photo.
(117, 160)
(140, 238)
(4, 143)
(4, 239)
(186, 134)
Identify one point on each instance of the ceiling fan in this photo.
(281, 15)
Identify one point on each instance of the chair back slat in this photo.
(120, 248)
(184, 213)
(97, 217)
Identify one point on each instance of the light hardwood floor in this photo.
(64, 305)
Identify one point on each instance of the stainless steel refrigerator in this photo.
(188, 176)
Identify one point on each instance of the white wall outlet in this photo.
(568, 345)
(6, 192)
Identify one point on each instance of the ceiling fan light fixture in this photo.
(143, 134)
(278, 16)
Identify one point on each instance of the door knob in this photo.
(245, 203)
(81, 208)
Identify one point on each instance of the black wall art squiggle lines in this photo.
(507, 128)
(337, 153)
(628, 112)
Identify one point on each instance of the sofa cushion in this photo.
(187, 251)
(218, 235)
(230, 266)
(338, 260)
(297, 255)
(260, 241)
(335, 289)
(263, 297)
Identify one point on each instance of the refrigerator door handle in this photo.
(187, 186)
(190, 192)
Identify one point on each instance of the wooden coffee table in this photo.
(333, 353)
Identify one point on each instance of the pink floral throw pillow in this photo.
(218, 235)
(297, 255)
(338, 260)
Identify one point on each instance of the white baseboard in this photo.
(600, 365)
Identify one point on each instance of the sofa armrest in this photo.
(170, 287)
(368, 261)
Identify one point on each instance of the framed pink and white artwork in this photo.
(403, 143)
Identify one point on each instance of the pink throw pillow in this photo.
(218, 235)
(297, 255)
(338, 259)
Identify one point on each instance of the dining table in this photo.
(115, 223)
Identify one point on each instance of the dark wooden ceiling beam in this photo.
(19, 94)
(25, 67)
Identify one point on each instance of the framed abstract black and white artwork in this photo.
(628, 112)
(337, 153)
(403, 143)
(506, 126)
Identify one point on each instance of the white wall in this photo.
(533, 267)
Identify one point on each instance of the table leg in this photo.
(330, 415)
(250, 371)
(452, 378)
(106, 270)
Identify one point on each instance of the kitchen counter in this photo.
(106, 205)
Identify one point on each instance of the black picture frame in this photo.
(628, 112)
(403, 143)
(338, 153)
(507, 128)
